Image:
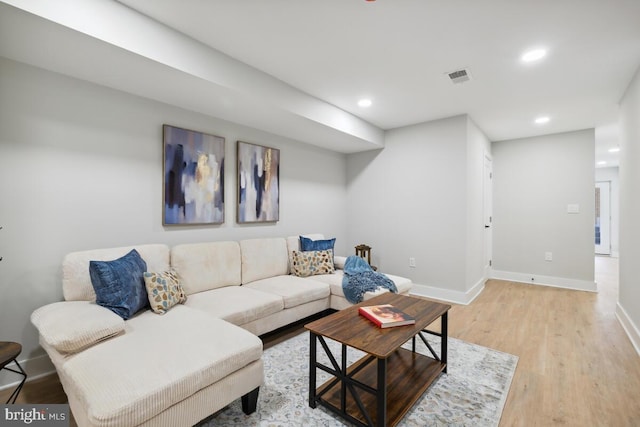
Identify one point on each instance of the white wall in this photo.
(418, 198)
(611, 175)
(629, 292)
(534, 181)
(92, 39)
(81, 167)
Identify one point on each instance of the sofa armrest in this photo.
(72, 326)
(339, 261)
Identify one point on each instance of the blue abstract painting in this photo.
(258, 183)
(193, 177)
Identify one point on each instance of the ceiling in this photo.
(398, 54)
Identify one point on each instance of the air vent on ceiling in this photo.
(459, 76)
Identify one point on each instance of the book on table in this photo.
(386, 315)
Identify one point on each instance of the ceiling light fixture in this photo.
(614, 149)
(365, 103)
(601, 163)
(533, 55)
(542, 120)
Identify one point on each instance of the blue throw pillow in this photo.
(307, 244)
(119, 284)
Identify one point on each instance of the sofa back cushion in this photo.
(263, 258)
(76, 281)
(205, 266)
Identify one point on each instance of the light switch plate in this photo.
(573, 209)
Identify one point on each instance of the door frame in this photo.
(487, 212)
(604, 226)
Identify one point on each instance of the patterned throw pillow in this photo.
(310, 263)
(164, 290)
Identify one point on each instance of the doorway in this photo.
(603, 218)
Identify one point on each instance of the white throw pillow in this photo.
(72, 326)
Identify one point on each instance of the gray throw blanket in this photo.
(359, 278)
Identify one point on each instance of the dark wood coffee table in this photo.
(9, 352)
(376, 394)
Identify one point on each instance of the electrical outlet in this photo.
(548, 256)
(412, 262)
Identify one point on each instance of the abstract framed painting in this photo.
(193, 177)
(258, 183)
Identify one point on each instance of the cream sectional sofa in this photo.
(178, 368)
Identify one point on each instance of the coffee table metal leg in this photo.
(16, 392)
(443, 340)
(382, 392)
(312, 370)
(343, 382)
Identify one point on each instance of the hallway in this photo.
(606, 276)
(576, 367)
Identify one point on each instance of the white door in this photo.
(488, 213)
(603, 218)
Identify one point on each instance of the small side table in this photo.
(9, 352)
(364, 251)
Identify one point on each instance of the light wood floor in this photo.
(576, 368)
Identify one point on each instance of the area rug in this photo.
(472, 393)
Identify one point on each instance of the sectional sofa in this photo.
(177, 368)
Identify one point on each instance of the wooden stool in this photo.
(9, 352)
(364, 251)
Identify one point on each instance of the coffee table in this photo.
(380, 393)
(9, 352)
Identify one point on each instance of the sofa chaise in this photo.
(182, 366)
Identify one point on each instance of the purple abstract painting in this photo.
(258, 183)
(193, 177)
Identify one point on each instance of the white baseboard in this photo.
(35, 367)
(629, 327)
(449, 295)
(536, 279)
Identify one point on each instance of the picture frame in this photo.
(258, 180)
(193, 172)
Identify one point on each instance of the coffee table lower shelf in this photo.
(408, 375)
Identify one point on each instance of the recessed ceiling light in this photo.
(533, 55)
(614, 149)
(601, 163)
(365, 103)
(542, 120)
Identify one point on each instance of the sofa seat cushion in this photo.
(335, 281)
(293, 290)
(158, 362)
(236, 304)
